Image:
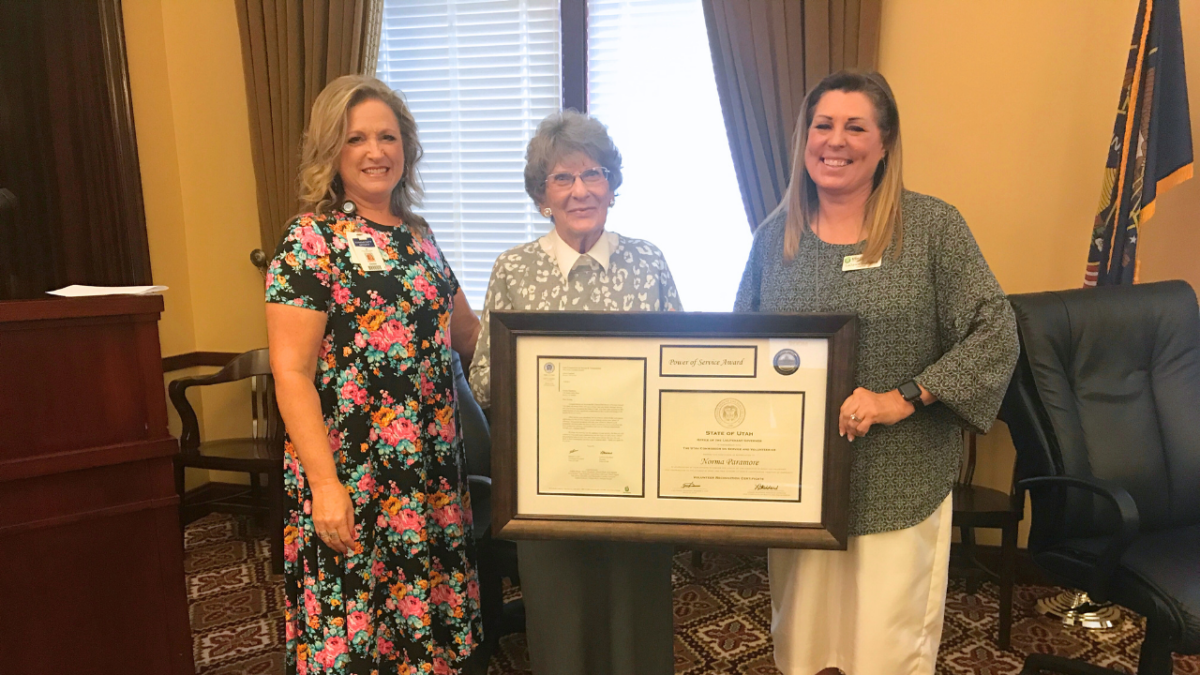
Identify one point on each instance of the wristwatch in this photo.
(911, 392)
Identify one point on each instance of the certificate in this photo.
(676, 427)
(732, 445)
(591, 425)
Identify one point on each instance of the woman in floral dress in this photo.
(362, 311)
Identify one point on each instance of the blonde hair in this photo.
(321, 188)
(883, 219)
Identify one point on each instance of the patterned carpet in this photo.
(722, 617)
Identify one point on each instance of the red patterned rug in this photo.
(722, 617)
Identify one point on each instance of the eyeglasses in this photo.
(593, 176)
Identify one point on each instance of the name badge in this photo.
(855, 262)
(364, 253)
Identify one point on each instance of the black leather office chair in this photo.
(497, 557)
(1104, 410)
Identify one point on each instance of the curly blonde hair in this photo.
(321, 188)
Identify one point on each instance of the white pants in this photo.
(873, 609)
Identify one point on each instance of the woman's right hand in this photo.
(333, 516)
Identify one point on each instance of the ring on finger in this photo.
(853, 417)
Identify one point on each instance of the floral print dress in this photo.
(406, 598)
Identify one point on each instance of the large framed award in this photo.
(686, 427)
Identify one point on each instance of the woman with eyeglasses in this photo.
(594, 608)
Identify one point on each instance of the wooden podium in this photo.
(91, 554)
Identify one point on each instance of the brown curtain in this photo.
(290, 50)
(766, 54)
(68, 153)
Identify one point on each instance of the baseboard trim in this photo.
(218, 496)
(1027, 572)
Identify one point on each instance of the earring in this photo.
(612, 202)
(402, 183)
(547, 212)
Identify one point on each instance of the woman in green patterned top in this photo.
(937, 345)
(592, 607)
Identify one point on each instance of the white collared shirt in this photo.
(567, 257)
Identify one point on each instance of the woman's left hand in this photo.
(865, 408)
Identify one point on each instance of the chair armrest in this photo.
(480, 488)
(252, 363)
(189, 437)
(481, 485)
(1126, 508)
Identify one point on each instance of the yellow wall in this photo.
(161, 190)
(189, 102)
(1171, 239)
(1007, 107)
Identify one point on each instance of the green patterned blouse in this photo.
(935, 314)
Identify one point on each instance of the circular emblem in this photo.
(730, 413)
(787, 361)
(549, 367)
(348, 207)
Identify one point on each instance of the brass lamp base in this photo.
(1075, 608)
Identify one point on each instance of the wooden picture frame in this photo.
(602, 332)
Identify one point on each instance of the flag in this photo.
(1151, 148)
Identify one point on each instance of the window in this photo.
(650, 79)
(479, 75)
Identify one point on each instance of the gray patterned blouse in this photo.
(935, 314)
(528, 277)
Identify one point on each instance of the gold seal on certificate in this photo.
(591, 426)
(731, 413)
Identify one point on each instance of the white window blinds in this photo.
(650, 79)
(478, 76)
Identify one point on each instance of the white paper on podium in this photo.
(88, 291)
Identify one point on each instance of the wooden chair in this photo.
(259, 454)
(974, 507)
